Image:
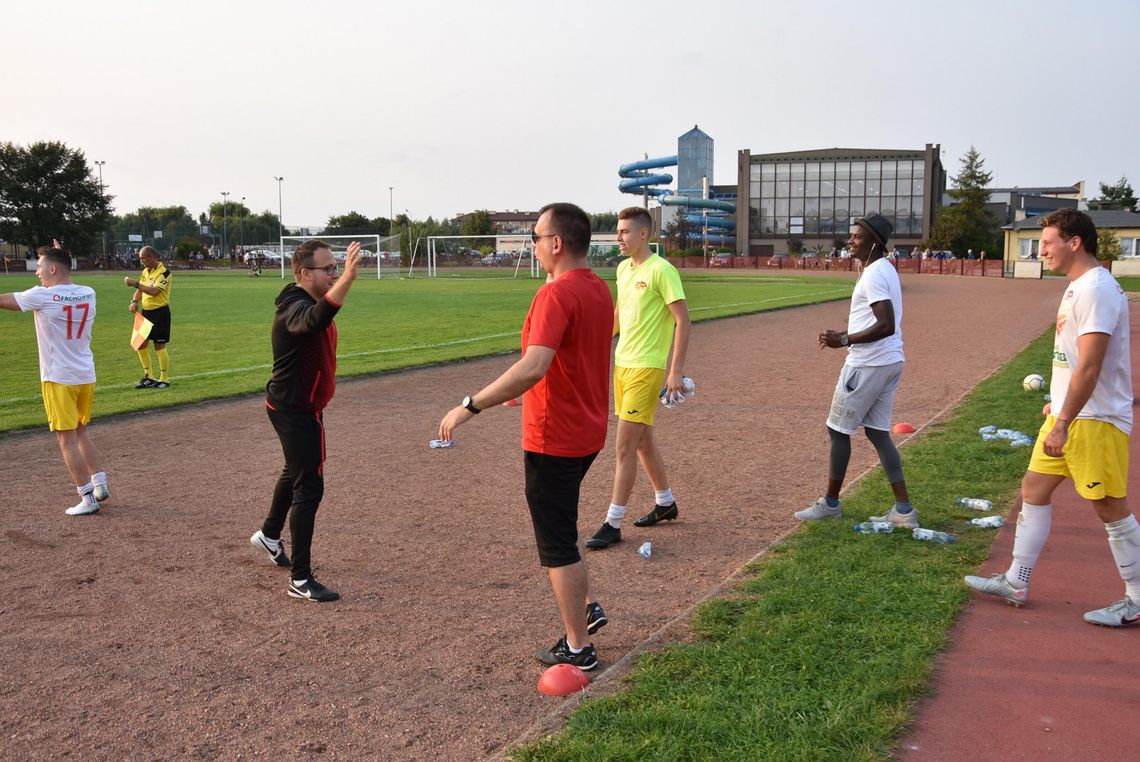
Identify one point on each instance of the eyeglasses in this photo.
(330, 270)
(534, 237)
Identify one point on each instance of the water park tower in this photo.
(712, 212)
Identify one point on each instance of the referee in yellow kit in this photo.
(152, 298)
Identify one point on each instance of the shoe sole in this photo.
(301, 596)
(593, 544)
(91, 512)
(597, 624)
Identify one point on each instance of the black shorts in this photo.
(552, 486)
(161, 319)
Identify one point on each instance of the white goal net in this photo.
(381, 252)
(503, 256)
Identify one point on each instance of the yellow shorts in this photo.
(636, 392)
(1095, 457)
(67, 406)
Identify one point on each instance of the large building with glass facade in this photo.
(814, 195)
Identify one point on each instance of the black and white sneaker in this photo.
(161, 385)
(311, 590)
(559, 653)
(146, 383)
(595, 617)
(274, 548)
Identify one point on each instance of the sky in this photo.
(503, 105)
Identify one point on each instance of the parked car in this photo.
(779, 260)
(722, 260)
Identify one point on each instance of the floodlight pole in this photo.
(225, 247)
(103, 198)
(280, 227)
(241, 223)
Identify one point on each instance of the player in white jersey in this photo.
(1088, 421)
(64, 317)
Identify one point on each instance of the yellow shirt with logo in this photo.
(645, 292)
(158, 278)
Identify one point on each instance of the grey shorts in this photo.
(864, 397)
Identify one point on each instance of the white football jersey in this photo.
(64, 316)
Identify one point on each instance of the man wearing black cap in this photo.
(865, 393)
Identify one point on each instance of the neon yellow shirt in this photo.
(159, 278)
(646, 324)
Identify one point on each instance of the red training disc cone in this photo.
(902, 428)
(562, 680)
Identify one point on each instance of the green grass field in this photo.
(220, 337)
(826, 646)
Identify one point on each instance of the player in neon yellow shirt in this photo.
(651, 315)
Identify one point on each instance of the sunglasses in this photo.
(534, 237)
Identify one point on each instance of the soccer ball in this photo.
(1034, 382)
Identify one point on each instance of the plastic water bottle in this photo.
(646, 550)
(990, 437)
(929, 535)
(689, 389)
(990, 522)
(875, 527)
(987, 430)
(976, 503)
(435, 444)
(1022, 441)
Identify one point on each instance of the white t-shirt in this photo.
(1095, 303)
(878, 283)
(64, 316)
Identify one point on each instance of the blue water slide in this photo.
(723, 223)
(701, 203)
(638, 180)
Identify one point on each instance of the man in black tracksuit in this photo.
(303, 382)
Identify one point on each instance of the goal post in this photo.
(457, 252)
(385, 250)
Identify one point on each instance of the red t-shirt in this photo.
(566, 413)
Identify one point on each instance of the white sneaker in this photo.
(101, 493)
(1120, 614)
(908, 520)
(275, 549)
(999, 586)
(86, 505)
(819, 510)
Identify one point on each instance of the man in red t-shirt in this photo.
(564, 372)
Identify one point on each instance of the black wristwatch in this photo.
(470, 405)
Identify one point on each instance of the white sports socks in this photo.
(614, 515)
(1124, 540)
(664, 496)
(1032, 531)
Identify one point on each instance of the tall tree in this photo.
(603, 222)
(477, 223)
(967, 224)
(678, 231)
(47, 191)
(1119, 195)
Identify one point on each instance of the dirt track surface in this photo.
(154, 630)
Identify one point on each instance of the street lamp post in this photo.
(225, 244)
(389, 210)
(241, 223)
(280, 222)
(102, 197)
